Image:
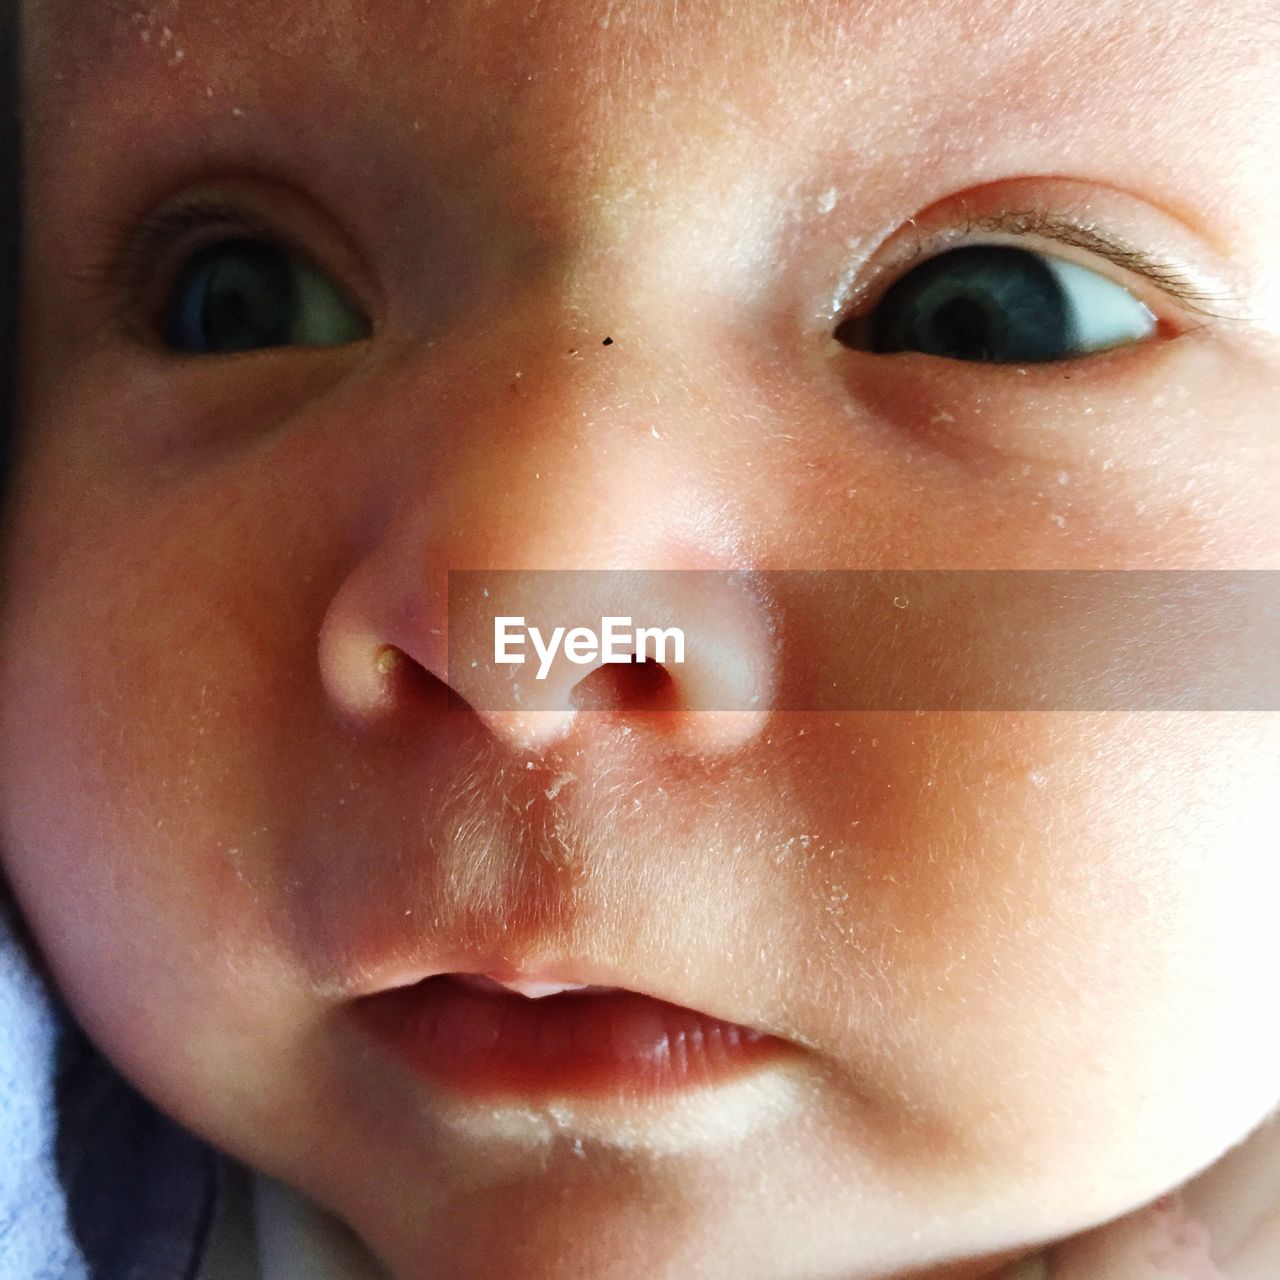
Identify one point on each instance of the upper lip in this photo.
(532, 986)
(569, 972)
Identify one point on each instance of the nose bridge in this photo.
(584, 438)
(664, 247)
(602, 342)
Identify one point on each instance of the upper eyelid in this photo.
(1127, 257)
(1027, 222)
(128, 266)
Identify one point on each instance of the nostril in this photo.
(403, 683)
(625, 686)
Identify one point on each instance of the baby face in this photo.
(316, 310)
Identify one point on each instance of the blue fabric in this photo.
(35, 1236)
(140, 1188)
(95, 1183)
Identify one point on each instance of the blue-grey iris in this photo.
(243, 295)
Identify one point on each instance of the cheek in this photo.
(137, 683)
(105, 833)
(1077, 914)
(1033, 938)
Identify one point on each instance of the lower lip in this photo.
(592, 1044)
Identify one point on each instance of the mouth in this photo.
(486, 1036)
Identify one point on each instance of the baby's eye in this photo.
(1000, 304)
(240, 295)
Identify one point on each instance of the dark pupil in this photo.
(979, 302)
(235, 296)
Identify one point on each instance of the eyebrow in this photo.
(1128, 257)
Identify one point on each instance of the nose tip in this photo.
(685, 654)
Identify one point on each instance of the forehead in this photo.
(417, 25)
(734, 48)
(792, 58)
(626, 97)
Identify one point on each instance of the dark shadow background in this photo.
(10, 267)
(10, 222)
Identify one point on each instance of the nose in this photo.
(554, 557)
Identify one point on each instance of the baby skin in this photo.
(325, 300)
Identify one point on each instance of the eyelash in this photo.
(126, 269)
(1023, 224)
(126, 273)
(124, 277)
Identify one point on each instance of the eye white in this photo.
(325, 317)
(1105, 314)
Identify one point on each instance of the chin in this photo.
(556, 1229)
